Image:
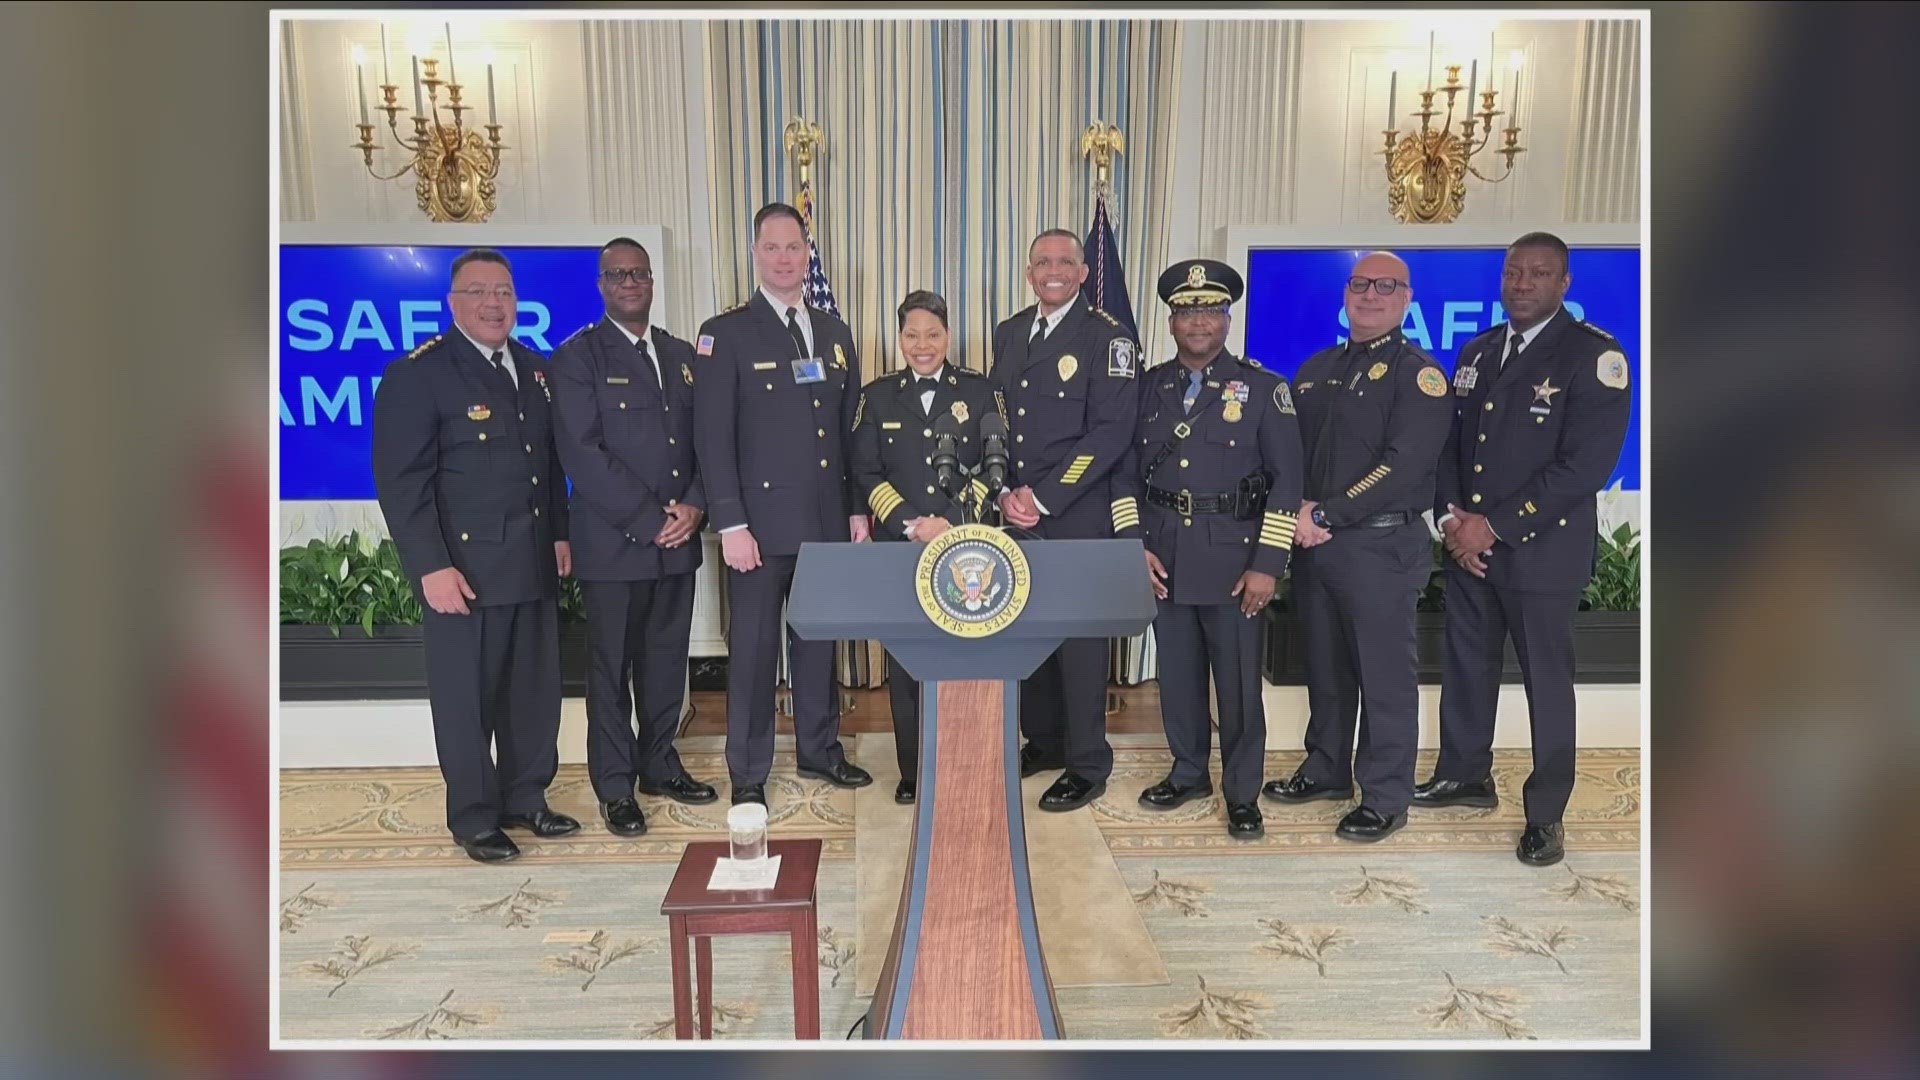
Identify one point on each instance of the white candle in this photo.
(386, 73)
(1393, 92)
(360, 84)
(1513, 104)
(419, 103)
(450, 75)
(492, 116)
(1473, 82)
(1429, 60)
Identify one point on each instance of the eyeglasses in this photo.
(502, 294)
(619, 274)
(1385, 286)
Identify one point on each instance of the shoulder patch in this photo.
(1282, 397)
(860, 410)
(1594, 330)
(1611, 369)
(705, 345)
(425, 345)
(1431, 381)
(1122, 358)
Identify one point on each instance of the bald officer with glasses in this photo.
(1374, 414)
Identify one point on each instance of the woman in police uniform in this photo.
(892, 459)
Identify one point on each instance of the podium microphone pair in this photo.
(948, 472)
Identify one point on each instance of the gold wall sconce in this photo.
(454, 168)
(1427, 169)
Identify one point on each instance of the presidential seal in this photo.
(972, 581)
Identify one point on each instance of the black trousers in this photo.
(1063, 709)
(637, 640)
(493, 678)
(1480, 616)
(1356, 600)
(905, 695)
(756, 609)
(1194, 640)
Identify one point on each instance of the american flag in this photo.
(819, 293)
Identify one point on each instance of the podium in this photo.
(969, 615)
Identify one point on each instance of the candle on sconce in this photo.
(1393, 93)
(386, 73)
(493, 116)
(450, 76)
(419, 103)
(1513, 103)
(1473, 83)
(360, 84)
(1430, 37)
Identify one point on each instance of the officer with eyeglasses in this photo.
(1373, 416)
(623, 400)
(476, 501)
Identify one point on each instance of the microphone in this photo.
(993, 453)
(946, 460)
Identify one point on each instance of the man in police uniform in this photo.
(1543, 404)
(893, 464)
(1218, 445)
(1068, 374)
(475, 499)
(1374, 414)
(623, 411)
(774, 397)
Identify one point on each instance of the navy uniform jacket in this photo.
(893, 448)
(1532, 445)
(773, 450)
(1242, 427)
(1071, 403)
(1373, 418)
(467, 473)
(626, 439)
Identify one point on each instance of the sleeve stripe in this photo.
(884, 500)
(1077, 469)
(1378, 474)
(1126, 513)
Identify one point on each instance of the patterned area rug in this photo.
(388, 931)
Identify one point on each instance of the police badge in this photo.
(960, 411)
(1067, 366)
(839, 357)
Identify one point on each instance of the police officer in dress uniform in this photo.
(1068, 374)
(774, 393)
(623, 411)
(1373, 413)
(475, 499)
(893, 464)
(1217, 465)
(1542, 409)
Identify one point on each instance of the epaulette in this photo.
(741, 306)
(424, 346)
(966, 372)
(1251, 362)
(580, 332)
(1103, 314)
(1596, 331)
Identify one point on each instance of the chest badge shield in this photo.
(960, 411)
(1067, 366)
(1377, 371)
(1231, 411)
(478, 412)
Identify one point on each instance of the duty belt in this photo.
(1187, 503)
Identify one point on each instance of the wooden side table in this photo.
(790, 907)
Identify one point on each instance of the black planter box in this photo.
(317, 666)
(1606, 647)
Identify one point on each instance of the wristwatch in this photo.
(1320, 517)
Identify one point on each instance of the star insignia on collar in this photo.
(1544, 392)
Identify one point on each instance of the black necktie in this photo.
(506, 380)
(793, 328)
(1040, 335)
(646, 361)
(1513, 351)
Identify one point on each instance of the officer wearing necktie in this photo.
(1373, 414)
(893, 464)
(1068, 374)
(1542, 407)
(1214, 478)
(475, 499)
(775, 391)
(623, 411)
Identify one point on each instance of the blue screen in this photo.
(1295, 308)
(347, 311)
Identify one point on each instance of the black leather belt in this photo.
(1383, 521)
(1188, 503)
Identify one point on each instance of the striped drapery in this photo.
(949, 145)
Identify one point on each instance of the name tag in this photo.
(618, 380)
(768, 366)
(889, 425)
(810, 370)
(1540, 410)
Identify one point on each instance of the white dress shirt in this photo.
(781, 307)
(506, 356)
(653, 348)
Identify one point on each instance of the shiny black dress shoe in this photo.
(540, 823)
(681, 789)
(1365, 824)
(745, 793)
(1032, 763)
(1456, 793)
(1071, 792)
(844, 775)
(905, 793)
(1243, 821)
(491, 847)
(624, 817)
(1542, 845)
(1166, 795)
(1297, 788)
